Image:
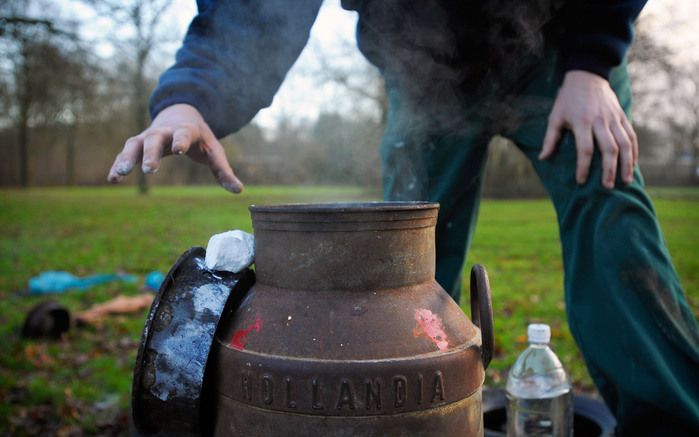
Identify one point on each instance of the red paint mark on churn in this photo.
(240, 337)
(430, 325)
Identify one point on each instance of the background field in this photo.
(82, 383)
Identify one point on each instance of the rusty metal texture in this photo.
(346, 332)
(347, 387)
(170, 378)
(482, 311)
(457, 419)
(340, 246)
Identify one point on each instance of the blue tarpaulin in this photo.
(58, 282)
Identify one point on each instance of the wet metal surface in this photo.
(169, 379)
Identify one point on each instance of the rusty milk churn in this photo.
(345, 332)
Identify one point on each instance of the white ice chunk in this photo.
(230, 251)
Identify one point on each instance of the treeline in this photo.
(65, 109)
(66, 113)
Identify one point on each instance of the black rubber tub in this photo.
(591, 417)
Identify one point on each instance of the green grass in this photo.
(83, 381)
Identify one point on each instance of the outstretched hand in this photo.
(587, 106)
(178, 129)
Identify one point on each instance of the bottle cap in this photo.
(539, 333)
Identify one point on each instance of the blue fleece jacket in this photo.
(237, 52)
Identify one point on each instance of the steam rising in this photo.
(449, 66)
(444, 54)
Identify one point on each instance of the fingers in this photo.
(154, 147)
(181, 140)
(585, 150)
(216, 157)
(127, 159)
(625, 147)
(631, 133)
(553, 135)
(616, 147)
(178, 129)
(587, 105)
(610, 153)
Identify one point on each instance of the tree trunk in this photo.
(140, 117)
(23, 145)
(70, 153)
(24, 99)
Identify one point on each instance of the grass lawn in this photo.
(83, 381)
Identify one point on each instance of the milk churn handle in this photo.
(482, 311)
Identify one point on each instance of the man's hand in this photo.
(178, 129)
(587, 105)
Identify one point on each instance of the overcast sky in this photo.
(674, 21)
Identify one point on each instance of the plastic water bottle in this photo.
(539, 395)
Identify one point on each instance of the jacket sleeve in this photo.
(234, 58)
(598, 33)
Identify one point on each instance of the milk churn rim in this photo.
(344, 217)
(345, 207)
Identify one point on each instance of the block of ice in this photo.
(230, 251)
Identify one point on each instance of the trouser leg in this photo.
(419, 165)
(626, 309)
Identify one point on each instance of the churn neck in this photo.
(344, 246)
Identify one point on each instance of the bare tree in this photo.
(345, 137)
(82, 89)
(361, 81)
(44, 59)
(666, 95)
(144, 20)
(685, 125)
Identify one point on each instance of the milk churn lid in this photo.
(169, 384)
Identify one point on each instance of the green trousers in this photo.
(625, 307)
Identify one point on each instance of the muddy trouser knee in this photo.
(625, 306)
